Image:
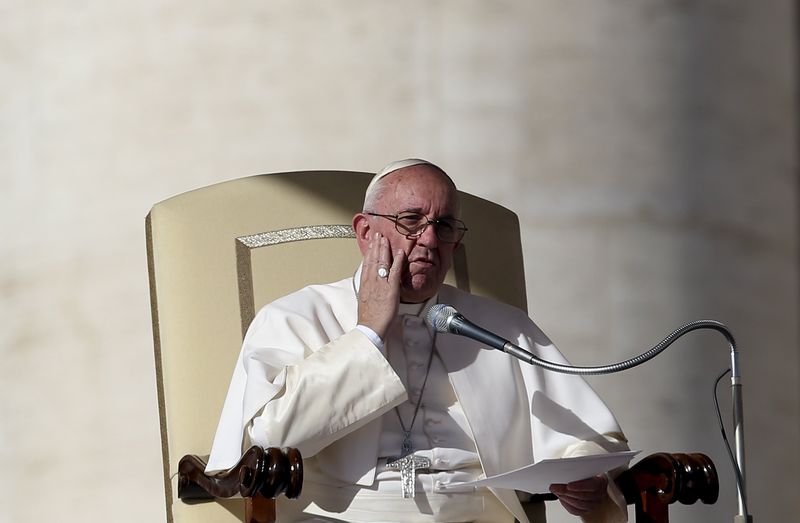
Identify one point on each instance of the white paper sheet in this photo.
(538, 477)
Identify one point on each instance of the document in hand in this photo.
(538, 477)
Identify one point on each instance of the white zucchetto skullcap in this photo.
(395, 166)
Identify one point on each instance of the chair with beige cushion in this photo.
(217, 254)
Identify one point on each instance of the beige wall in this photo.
(649, 147)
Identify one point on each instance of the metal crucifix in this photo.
(408, 466)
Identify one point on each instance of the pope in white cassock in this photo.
(390, 417)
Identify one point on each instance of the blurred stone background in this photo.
(649, 147)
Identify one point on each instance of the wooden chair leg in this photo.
(259, 509)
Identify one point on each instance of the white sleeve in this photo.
(334, 391)
(614, 509)
(301, 381)
(373, 337)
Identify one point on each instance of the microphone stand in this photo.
(456, 323)
(738, 435)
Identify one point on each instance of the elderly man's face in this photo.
(421, 189)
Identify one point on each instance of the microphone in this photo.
(446, 319)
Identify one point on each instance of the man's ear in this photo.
(362, 229)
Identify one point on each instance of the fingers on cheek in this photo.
(386, 252)
(370, 249)
(374, 250)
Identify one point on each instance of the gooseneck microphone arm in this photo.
(446, 319)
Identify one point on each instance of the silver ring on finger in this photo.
(383, 272)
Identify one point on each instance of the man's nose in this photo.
(428, 237)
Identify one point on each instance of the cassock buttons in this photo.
(412, 321)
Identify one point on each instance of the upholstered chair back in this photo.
(217, 254)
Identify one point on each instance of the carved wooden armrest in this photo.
(260, 476)
(658, 480)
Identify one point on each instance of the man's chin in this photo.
(419, 289)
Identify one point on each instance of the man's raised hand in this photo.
(379, 290)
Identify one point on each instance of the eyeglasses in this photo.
(413, 225)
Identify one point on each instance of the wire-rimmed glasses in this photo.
(413, 225)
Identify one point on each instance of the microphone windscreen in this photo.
(439, 317)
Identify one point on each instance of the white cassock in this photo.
(307, 378)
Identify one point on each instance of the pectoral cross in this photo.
(408, 466)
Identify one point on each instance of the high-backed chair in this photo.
(217, 254)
